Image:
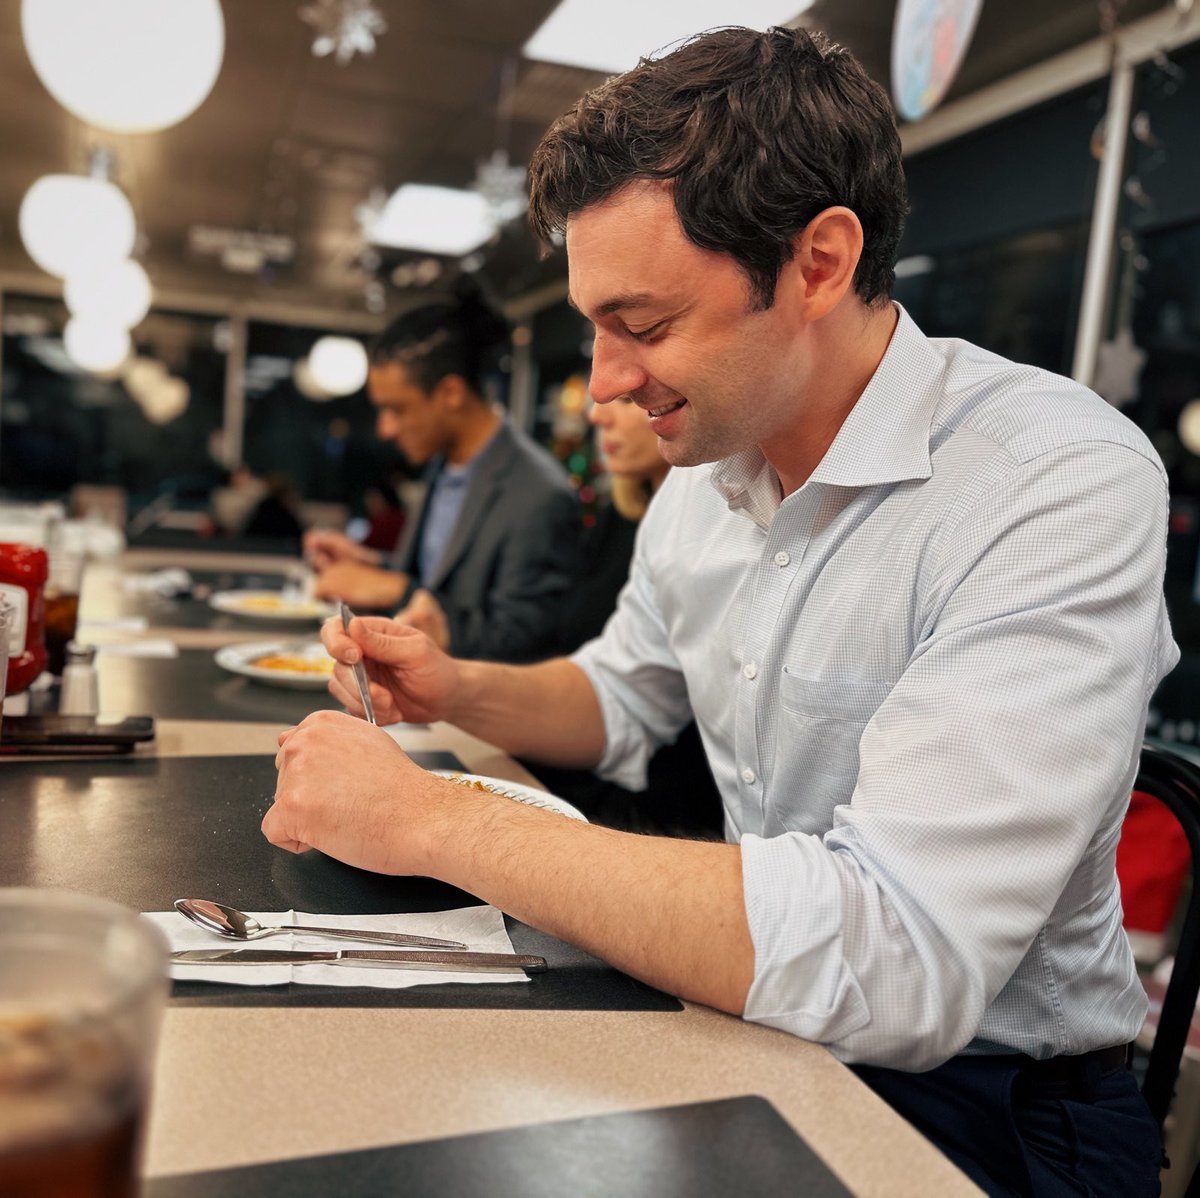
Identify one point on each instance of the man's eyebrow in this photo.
(630, 299)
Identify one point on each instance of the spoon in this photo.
(237, 925)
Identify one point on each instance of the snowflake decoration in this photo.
(503, 186)
(369, 213)
(343, 27)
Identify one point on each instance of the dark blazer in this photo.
(512, 555)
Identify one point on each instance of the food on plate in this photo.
(270, 602)
(474, 783)
(295, 662)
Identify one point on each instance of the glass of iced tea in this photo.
(82, 987)
(63, 583)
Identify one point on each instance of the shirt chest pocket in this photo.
(821, 721)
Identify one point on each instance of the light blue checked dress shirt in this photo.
(922, 683)
(447, 494)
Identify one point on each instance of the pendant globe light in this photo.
(118, 292)
(73, 223)
(130, 66)
(96, 345)
(306, 384)
(338, 365)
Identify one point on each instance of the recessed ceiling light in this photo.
(612, 37)
(438, 220)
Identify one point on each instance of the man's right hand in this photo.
(323, 547)
(412, 680)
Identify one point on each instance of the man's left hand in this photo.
(426, 615)
(360, 585)
(345, 787)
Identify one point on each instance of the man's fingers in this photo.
(338, 644)
(344, 690)
(398, 645)
(274, 832)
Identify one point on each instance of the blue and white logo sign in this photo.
(929, 42)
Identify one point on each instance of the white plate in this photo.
(514, 790)
(270, 605)
(240, 659)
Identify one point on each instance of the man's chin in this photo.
(679, 453)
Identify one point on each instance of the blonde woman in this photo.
(630, 454)
(680, 796)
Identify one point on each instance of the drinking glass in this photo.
(82, 987)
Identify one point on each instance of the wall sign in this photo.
(929, 42)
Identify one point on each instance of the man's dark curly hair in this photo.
(758, 132)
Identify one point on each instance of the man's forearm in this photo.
(670, 912)
(547, 711)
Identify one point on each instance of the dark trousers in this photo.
(1015, 1130)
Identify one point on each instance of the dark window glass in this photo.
(1017, 296)
(1166, 328)
(1156, 314)
(1163, 164)
(995, 244)
(326, 449)
(151, 428)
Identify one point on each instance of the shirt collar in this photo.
(884, 439)
(460, 474)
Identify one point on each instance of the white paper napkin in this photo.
(479, 928)
(163, 582)
(118, 624)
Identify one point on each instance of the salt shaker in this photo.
(80, 683)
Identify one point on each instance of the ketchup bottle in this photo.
(22, 581)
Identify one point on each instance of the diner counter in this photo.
(243, 1083)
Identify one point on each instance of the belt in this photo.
(1068, 1070)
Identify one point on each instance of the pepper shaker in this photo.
(80, 682)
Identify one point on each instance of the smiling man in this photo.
(910, 592)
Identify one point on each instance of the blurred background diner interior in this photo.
(285, 210)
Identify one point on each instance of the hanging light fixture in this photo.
(302, 376)
(166, 401)
(131, 66)
(73, 223)
(119, 293)
(1189, 426)
(438, 220)
(96, 345)
(338, 365)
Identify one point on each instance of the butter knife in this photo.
(454, 962)
(360, 671)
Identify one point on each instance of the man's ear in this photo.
(826, 257)
(452, 392)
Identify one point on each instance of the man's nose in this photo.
(615, 370)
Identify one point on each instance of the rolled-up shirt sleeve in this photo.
(985, 779)
(637, 680)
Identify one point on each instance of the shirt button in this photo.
(750, 669)
(782, 559)
(747, 775)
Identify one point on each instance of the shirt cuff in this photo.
(802, 982)
(625, 752)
